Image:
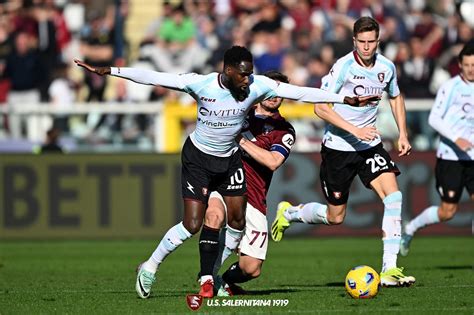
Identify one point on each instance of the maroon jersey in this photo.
(270, 133)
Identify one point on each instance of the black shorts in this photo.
(452, 177)
(202, 173)
(338, 169)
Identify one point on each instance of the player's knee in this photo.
(213, 219)
(447, 211)
(335, 219)
(192, 225)
(252, 270)
(237, 223)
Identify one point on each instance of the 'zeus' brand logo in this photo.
(210, 100)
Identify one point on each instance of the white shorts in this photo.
(254, 243)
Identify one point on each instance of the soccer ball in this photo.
(362, 282)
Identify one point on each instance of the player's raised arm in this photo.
(142, 76)
(314, 95)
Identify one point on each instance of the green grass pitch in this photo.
(98, 277)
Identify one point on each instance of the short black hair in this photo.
(277, 76)
(467, 50)
(235, 55)
(366, 24)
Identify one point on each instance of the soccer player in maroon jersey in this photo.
(266, 140)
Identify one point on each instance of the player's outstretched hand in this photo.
(98, 70)
(404, 147)
(358, 101)
(368, 133)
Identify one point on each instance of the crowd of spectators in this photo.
(301, 38)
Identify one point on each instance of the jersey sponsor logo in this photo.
(221, 112)
(217, 124)
(367, 90)
(466, 107)
(288, 140)
(359, 77)
(381, 76)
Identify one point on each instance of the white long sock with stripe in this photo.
(232, 240)
(172, 240)
(309, 213)
(427, 217)
(392, 228)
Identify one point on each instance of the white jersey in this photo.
(219, 115)
(349, 77)
(452, 116)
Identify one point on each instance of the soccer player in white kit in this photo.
(350, 150)
(452, 116)
(210, 157)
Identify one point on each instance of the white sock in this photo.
(172, 239)
(427, 217)
(232, 240)
(309, 213)
(392, 228)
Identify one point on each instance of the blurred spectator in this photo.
(6, 49)
(317, 70)
(176, 49)
(24, 71)
(457, 36)
(272, 59)
(103, 8)
(342, 41)
(47, 44)
(269, 19)
(294, 70)
(62, 96)
(97, 49)
(430, 33)
(153, 29)
(417, 71)
(63, 35)
(414, 81)
(120, 43)
(51, 144)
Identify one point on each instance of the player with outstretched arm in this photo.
(210, 156)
